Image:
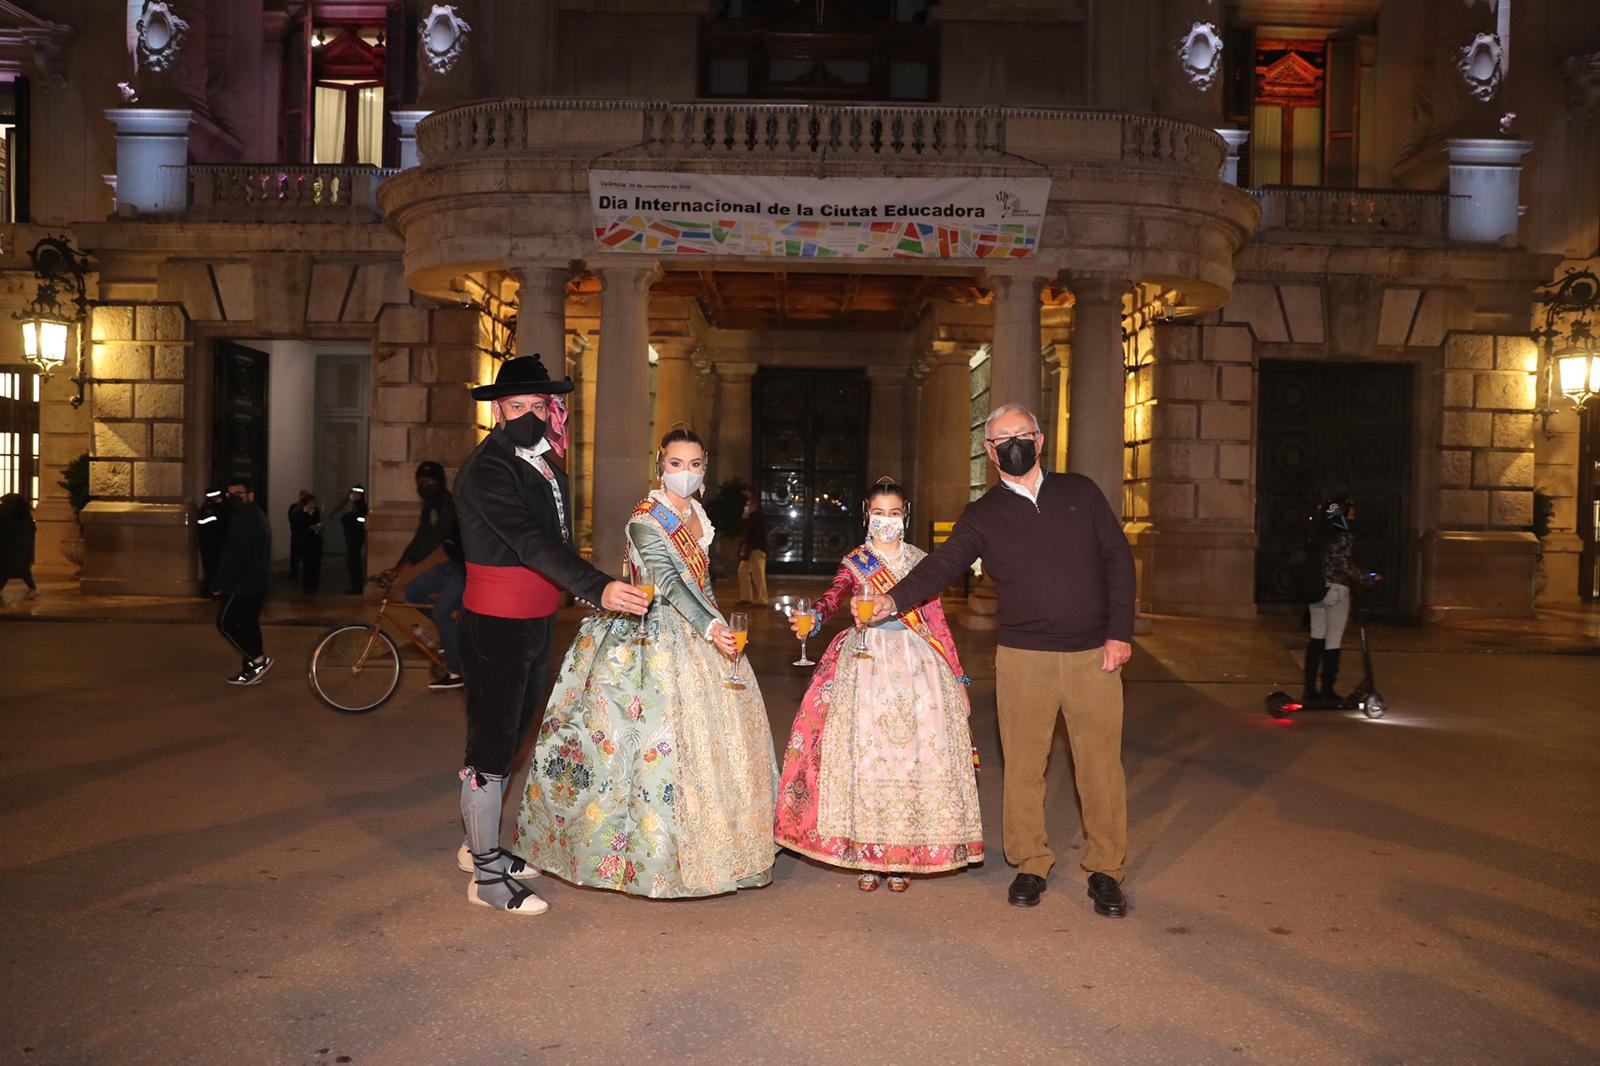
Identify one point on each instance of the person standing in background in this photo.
(297, 541)
(311, 545)
(354, 520)
(753, 556)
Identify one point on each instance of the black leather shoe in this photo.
(1109, 902)
(1024, 891)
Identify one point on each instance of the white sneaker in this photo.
(515, 866)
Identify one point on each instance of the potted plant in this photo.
(75, 480)
(725, 508)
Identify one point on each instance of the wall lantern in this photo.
(45, 324)
(1574, 367)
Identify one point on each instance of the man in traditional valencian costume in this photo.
(515, 511)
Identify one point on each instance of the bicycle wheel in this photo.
(354, 669)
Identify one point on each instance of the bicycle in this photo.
(354, 668)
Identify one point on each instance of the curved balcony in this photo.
(835, 135)
(1133, 197)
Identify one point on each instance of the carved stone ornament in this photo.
(1479, 64)
(444, 37)
(1200, 55)
(161, 34)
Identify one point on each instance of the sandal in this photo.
(899, 882)
(867, 882)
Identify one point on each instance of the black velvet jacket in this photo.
(508, 518)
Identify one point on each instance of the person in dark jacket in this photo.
(297, 540)
(516, 529)
(1064, 578)
(306, 520)
(441, 585)
(17, 532)
(753, 555)
(1339, 575)
(243, 575)
(354, 520)
(210, 530)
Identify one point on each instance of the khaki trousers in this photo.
(1031, 687)
(753, 578)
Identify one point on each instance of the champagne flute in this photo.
(863, 611)
(649, 591)
(804, 622)
(739, 622)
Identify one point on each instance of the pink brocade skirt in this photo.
(877, 774)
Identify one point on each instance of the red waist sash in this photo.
(509, 592)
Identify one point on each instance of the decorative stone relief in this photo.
(161, 34)
(444, 37)
(1200, 55)
(1479, 64)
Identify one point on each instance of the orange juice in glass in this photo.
(804, 623)
(649, 594)
(739, 622)
(863, 613)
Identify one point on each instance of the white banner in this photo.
(817, 218)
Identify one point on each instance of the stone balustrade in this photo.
(276, 193)
(842, 133)
(1354, 216)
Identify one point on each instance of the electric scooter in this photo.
(1364, 697)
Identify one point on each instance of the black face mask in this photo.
(427, 489)
(525, 432)
(1017, 456)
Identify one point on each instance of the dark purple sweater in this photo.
(1062, 570)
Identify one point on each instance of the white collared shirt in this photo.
(1021, 489)
(534, 457)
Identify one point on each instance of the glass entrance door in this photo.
(810, 461)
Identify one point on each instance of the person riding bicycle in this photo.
(1336, 573)
(445, 582)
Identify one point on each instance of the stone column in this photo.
(733, 458)
(675, 386)
(1094, 426)
(542, 312)
(1488, 173)
(703, 398)
(622, 407)
(1058, 369)
(944, 467)
(1236, 139)
(407, 122)
(885, 432)
(1015, 371)
(150, 139)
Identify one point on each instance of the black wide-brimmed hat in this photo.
(524, 375)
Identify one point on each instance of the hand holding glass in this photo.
(650, 595)
(739, 622)
(863, 609)
(804, 623)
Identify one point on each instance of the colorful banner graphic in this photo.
(817, 218)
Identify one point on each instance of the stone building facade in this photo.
(1277, 233)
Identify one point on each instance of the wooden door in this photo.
(239, 418)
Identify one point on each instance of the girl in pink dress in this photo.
(878, 772)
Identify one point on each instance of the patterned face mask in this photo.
(883, 527)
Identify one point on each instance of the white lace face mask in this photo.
(684, 483)
(883, 527)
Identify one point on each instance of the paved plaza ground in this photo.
(199, 874)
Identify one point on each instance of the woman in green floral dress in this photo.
(652, 774)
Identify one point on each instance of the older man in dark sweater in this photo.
(1064, 577)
